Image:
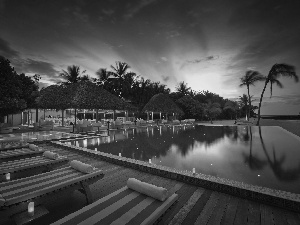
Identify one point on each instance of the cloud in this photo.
(34, 66)
(206, 59)
(108, 12)
(6, 50)
(172, 34)
(165, 78)
(135, 9)
(164, 59)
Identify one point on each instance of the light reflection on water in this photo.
(264, 156)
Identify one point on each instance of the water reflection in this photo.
(264, 156)
(277, 164)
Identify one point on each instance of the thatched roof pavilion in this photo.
(162, 103)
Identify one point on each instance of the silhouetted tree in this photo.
(276, 71)
(249, 79)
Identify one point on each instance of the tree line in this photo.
(19, 92)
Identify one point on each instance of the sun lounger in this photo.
(4, 146)
(19, 153)
(124, 206)
(22, 167)
(42, 185)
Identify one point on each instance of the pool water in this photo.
(263, 156)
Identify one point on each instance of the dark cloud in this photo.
(208, 58)
(6, 50)
(34, 66)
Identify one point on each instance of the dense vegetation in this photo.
(17, 91)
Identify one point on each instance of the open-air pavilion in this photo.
(162, 103)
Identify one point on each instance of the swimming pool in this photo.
(263, 156)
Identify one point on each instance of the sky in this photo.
(208, 44)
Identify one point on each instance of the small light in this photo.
(7, 176)
(258, 175)
(150, 161)
(120, 154)
(31, 208)
(194, 171)
(211, 164)
(95, 149)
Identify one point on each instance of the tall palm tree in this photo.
(124, 78)
(73, 75)
(276, 71)
(120, 69)
(250, 78)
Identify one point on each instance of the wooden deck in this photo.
(195, 205)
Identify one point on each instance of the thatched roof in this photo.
(162, 103)
(90, 96)
(81, 95)
(56, 97)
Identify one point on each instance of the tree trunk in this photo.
(74, 126)
(249, 109)
(259, 106)
(96, 115)
(62, 118)
(36, 115)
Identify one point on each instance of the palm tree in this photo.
(73, 75)
(103, 75)
(182, 88)
(250, 78)
(276, 71)
(125, 79)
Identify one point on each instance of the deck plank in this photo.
(242, 212)
(183, 212)
(184, 193)
(206, 213)
(254, 213)
(219, 210)
(230, 212)
(292, 218)
(198, 207)
(279, 216)
(266, 213)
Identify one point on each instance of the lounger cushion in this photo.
(124, 206)
(151, 190)
(50, 155)
(33, 147)
(82, 167)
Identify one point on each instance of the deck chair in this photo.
(43, 185)
(19, 153)
(124, 206)
(29, 166)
